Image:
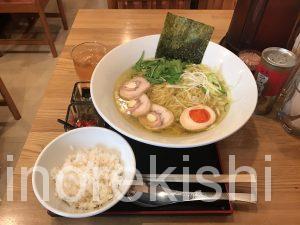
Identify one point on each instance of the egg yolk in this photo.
(199, 115)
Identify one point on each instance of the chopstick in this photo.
(192, 178)
(238, 197)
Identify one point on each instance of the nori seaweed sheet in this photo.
(183, 39)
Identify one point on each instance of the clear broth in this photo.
(174, 130)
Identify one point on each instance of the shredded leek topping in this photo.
(198, 76)
(197, 85)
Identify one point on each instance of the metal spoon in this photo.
(162, 196)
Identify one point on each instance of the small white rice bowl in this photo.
(99, 158)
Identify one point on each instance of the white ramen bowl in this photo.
(236, 74)
(54, 155)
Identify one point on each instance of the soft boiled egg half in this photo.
(197, 117)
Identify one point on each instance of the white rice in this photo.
(89, 178)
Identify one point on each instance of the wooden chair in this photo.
(37, 7)
(149, 4)
(8, 101)
(216, 4)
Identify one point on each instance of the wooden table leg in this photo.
(47, 32)
(9, 101)
(62, 14)
(31, 22)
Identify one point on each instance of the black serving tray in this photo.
(170, 157)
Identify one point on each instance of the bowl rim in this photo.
(90, 213)
(155, 143)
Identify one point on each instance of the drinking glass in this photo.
(85, 57)
(289, 113)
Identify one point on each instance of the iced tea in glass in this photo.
(85, 57)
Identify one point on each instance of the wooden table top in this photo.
(259, 137)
